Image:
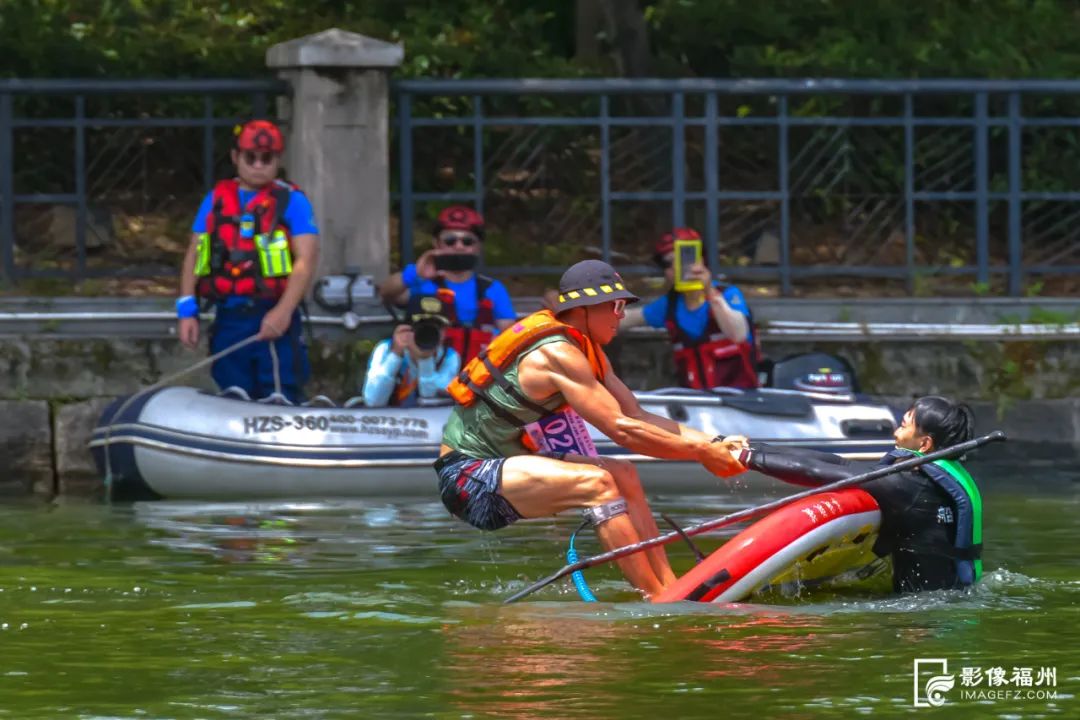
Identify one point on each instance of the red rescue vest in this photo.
(234, 265)
(468, 340)
(711, 360)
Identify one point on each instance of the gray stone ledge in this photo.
(335, 48)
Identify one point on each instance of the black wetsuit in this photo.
(918, 518)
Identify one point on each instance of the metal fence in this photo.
(804, 181)
(102, 178)
(788, 180)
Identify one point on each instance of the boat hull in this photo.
(187, 444)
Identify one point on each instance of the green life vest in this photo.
(958, 484)
(492, 426)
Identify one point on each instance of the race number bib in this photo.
(562, 432)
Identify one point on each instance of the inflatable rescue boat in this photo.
(184, 443)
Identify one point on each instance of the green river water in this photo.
(352, 609)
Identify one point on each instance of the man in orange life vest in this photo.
(478, 306)
(711, 330)
(254, 247)
(543, 375)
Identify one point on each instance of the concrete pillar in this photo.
(338, 146)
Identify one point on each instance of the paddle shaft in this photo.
(748, 513)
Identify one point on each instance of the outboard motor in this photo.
(814, 372)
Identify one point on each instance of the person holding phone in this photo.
(476, 305)
(709, 323)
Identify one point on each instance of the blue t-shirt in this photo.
(693, 322)
(464, 295)
(299, 216)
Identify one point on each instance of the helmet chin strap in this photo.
(588, 327)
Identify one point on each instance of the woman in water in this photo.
(931, 516)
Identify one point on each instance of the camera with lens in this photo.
(426, 333)
(426, 318)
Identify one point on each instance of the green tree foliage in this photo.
(869, 38)
(229, 38)
(530, 38)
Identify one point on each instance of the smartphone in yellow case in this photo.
(687, 254)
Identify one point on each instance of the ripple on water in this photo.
(318, 609)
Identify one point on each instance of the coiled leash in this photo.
(578, 577)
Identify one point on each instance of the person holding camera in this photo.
(414, 362)
(477, 306)
(709, 323)
(254, 248)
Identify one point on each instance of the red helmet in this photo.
(667, 243)
(460, 217)
(260, 135)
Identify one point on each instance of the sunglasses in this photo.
(665, 262)
(259, 158)
(463, 240)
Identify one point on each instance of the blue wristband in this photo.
(187, 307)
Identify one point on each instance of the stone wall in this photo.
(56, 389)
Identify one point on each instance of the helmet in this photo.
(460, 217)
(591, 282)
(667, 243)
(259, 135)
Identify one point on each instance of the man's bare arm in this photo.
(561, 368)
(393, 290)
(632, 408)
(731, 322)
(187, 270)
(305, 249)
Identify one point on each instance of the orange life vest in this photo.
(246, 250)
(711, 360)
(487, 368)
(468, 340)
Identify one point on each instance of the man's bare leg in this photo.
(539, 486)
(629, 484)
(637, 568)
(626, 477)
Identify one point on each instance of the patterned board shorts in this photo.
(469, 488)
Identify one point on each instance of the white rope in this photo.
(276, 366)
(165, 381)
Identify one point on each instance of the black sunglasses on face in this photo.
(464, 240)
(263, 158)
